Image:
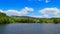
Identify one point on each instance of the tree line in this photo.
(4, 19)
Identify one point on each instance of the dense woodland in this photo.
(4, 19)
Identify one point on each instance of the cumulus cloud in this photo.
(50, 12)
(46, 1)
(1, 10)
(46, 12)
(22, 12)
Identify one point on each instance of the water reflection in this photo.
(30, 28)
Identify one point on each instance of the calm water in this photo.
(30, 28)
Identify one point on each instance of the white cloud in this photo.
(46, 1)
(22, 12)
(50, 12)
(1, 10)
(46, 12)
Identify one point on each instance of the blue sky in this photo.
(35, 8)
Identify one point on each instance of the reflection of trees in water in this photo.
(2, 29)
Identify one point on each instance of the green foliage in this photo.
(4, 19)
(2, 14)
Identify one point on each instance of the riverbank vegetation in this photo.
(4, 19)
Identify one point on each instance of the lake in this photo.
(30, 28)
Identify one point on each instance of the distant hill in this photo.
(25, 17)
